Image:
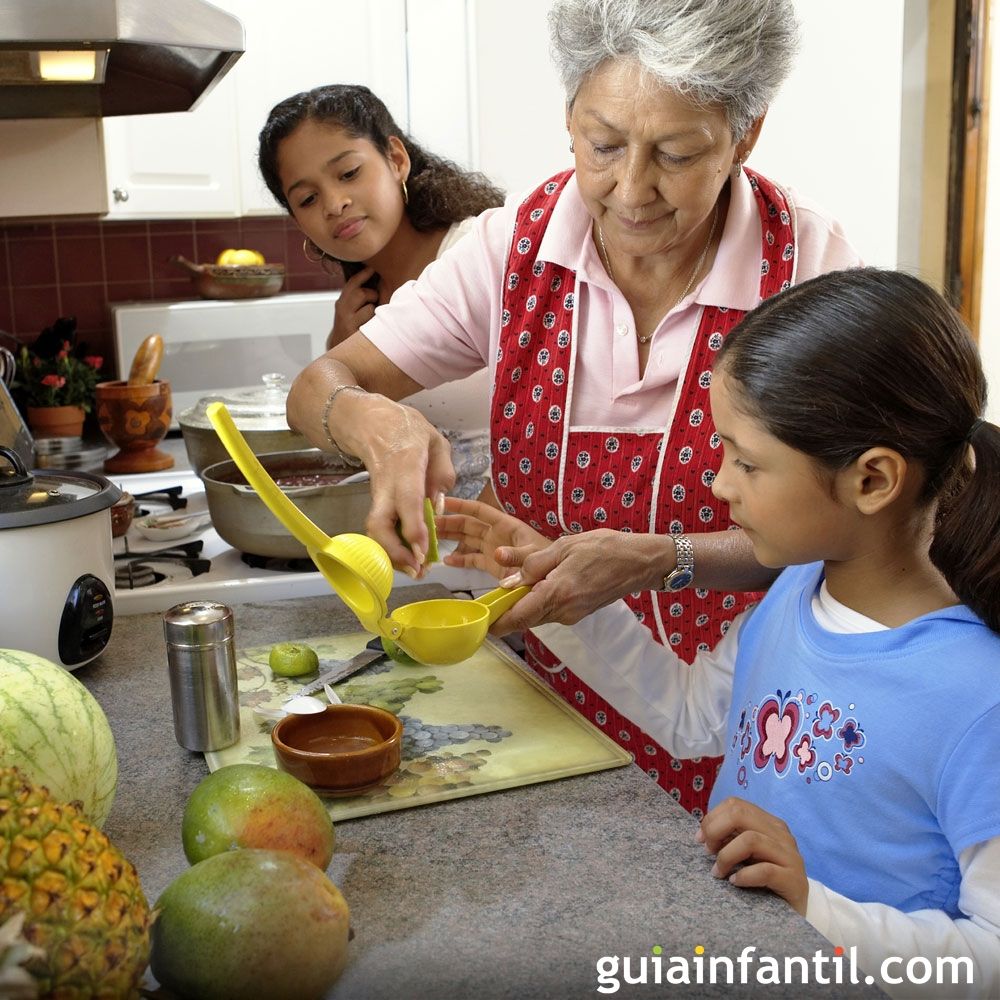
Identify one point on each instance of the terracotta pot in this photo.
(56, 421)
(135, 418)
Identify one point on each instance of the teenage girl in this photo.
(374, 203)
(858, 705)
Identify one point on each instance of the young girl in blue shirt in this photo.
(858, 705)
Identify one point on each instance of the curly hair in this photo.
(440, 193)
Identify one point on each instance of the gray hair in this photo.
(734, 53)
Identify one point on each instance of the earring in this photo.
(307, 246)
(737, 167)
(406, 194)
(571, 140)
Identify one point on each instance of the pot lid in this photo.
(47, 497)
(255, 408)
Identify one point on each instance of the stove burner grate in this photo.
(135, 575)
(278, 563)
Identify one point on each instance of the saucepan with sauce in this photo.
(336, 497)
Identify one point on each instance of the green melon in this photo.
(53, 729)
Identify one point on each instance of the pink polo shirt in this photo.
(446, 324)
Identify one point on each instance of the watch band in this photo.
(682, 574)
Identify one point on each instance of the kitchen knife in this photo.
(345, 668)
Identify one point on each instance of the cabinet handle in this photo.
(120, 194)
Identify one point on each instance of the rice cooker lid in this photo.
(255, 408)
(45, 497)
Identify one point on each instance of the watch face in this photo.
(679, 579)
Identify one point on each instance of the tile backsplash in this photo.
(78, 268)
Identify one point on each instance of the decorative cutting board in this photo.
(482, 725)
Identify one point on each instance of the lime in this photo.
(292, 659)
(432, 547)
(395, 653)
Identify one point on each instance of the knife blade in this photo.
(342, 669)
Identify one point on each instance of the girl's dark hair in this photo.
(856, 359)
(440, 193)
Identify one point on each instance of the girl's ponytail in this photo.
(966, 545)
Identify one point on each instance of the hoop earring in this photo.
(406, 194)
(738, 167)
(307, 245)
(571, 141)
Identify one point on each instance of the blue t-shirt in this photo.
(880, 750)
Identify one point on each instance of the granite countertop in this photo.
(508, 895)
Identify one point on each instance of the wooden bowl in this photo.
(234, 281)
(343, 750)
(122, 512)
(135, 418)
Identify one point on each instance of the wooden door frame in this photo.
(968, 159)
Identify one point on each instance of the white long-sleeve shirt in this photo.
(685, 708)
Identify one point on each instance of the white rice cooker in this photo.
(56, 561)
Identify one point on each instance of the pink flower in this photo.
(94, 360)
(62, 354)
(55, 381)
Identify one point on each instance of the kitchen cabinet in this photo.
(203, 163)
(51, 167)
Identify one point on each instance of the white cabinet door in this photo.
(203, 163)
(301, 44)
(175, 165)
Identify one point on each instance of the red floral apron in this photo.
(565, 482)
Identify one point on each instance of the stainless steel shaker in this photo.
(201, 659)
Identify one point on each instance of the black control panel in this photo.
(85, 627)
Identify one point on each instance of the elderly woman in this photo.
(597, 301)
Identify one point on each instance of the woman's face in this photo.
(650, 164)
(343, 193)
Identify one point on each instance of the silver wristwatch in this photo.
(683, 573)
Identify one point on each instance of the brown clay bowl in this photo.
(243, 281)
(122, 512)
(135, 418)
(343, 750)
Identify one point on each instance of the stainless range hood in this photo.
(96, 58)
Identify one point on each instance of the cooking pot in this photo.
(56, 598)
(310, 478)
(259, 413)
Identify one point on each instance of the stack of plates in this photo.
(69, 453)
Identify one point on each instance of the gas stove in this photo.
(203, 566)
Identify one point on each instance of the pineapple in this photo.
(82, 901)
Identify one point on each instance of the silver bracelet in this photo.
(349, 459)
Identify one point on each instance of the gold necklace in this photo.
(694, 273)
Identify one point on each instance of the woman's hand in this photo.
(406, 457)
(577, 574)
(740, 833)
(355, 306)
(480, 530)
(407, 460)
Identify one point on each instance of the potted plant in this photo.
(54, 382)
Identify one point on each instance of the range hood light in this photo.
(141, 57)
(77, 65)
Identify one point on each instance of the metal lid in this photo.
(256, 408)
(43, 498)
(198, 623)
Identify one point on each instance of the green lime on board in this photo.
(432, 548)
(395, 653)
(292, 659)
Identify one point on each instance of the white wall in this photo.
(989, 315)
(833, 133)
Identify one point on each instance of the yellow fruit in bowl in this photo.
(239, 258)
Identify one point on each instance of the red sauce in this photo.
(291, 479)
